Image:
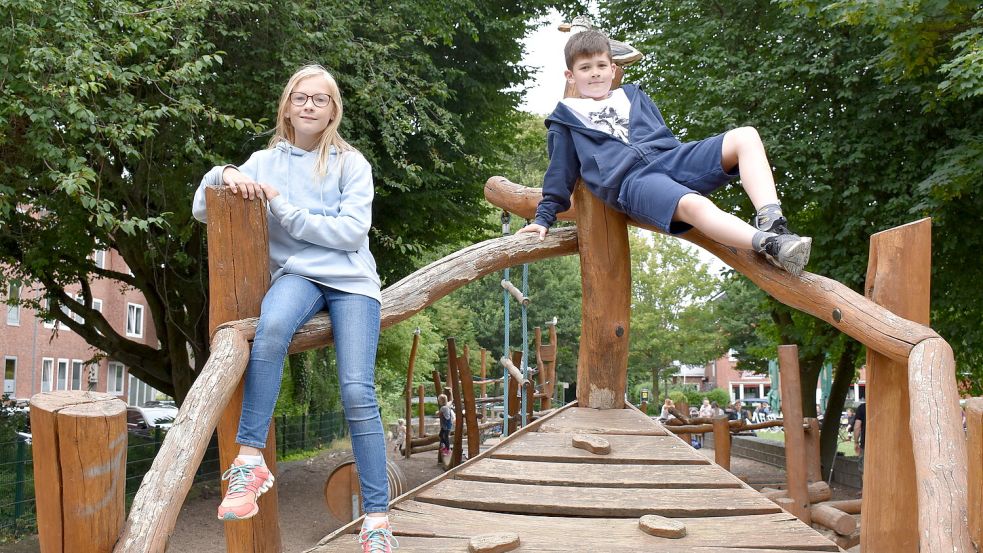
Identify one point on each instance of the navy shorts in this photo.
(652, 189)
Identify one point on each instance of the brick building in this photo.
(41, 356)
(746, 385)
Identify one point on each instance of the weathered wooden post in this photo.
(795, 450)
(421, 409)
(721, 441)
(814, 469)
(79, 449)
(409, 392)
(239, 276)
(974, 446)
(467, 392)
(898, 277)
(453, 382)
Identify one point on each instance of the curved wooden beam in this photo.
(819, 296)
(158, 501)
(422, 288)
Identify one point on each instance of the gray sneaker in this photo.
(621, 53)
(788, 251)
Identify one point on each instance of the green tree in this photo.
(111, 111)
(672, 316)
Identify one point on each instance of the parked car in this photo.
(144, 419)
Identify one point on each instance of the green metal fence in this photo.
(18, 516)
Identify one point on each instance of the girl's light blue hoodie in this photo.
(319, 227)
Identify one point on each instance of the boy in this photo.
(618, 143)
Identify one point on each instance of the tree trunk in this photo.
(842, 379)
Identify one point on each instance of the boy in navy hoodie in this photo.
(617, 142)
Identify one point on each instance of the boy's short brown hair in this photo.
(586, 43)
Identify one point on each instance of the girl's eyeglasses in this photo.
(300, 99)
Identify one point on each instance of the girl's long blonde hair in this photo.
(284, 130)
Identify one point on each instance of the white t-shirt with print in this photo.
(609, 115)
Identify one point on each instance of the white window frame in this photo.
(61, 377)
(47, 374)
(116, 372)
(99, 258)
(135, 320)
(13, 311)
(78, 374)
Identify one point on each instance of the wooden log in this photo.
(683, 408)
(239, 276)
(530, 391)
(541, 372)
(421, 410)
(549, 355)
(940, 449)
(425, 286)
(79, 453)
(514, 371)
(735, 426)
(832, 518)
(454, 382)
(409, 389)
(470, 408)
(814, 470)
(898, 278)
(662, 527)
(594, 444)
(494, 543)
(860, 318)
(515, 292)
(513, 392)
(605, 269)
(426, 440)
(817, 492)
(438, 386)
(795, 458)
(721, 442)
(428, 447)
(484, 378)
(158, 502)
(974, 447)
(850, 506)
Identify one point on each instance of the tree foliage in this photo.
(111, 111)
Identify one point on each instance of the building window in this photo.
(114, 380)
(51, 323)
(13, 310)
(77, 373)
(9, 374)
(99, 258)
(62, 374)
(134, 320)
(47, 368)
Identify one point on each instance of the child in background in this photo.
(320, 191)
(617, 142)
(446, 415)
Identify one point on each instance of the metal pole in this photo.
(506, 230)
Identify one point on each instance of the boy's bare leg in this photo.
(742, 147)
(717, 224)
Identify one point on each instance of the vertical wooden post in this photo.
(553, 352)
(514, 397)
(605, 269)
(683, 409)
(484, 385)
(814, 471)
(409, 390)
(721, 441)
(421, 408)
(540, 369)
(898, 278)
(470, 411)
(239, 276)
(437, 386)
(795, 450)
(974, 446)
(79, 450)
(452, 381)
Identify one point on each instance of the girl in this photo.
(446, 415)
(319, 190)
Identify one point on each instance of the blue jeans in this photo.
(291, 302)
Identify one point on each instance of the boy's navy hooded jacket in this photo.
(600, 159)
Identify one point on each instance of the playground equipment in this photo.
(596, 502)
(343, 494)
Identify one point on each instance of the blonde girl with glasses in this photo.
(319, 192)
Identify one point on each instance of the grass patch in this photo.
(846, 448)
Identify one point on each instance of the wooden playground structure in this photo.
(594, 475)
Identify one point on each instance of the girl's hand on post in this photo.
(237, 181)
(534, 228)
(268, 191)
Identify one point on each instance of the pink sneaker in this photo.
(377, 540)
(246, 484)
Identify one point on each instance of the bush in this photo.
(719, 395)
(676, 396)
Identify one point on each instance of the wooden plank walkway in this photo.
(560, 498)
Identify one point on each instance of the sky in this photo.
(544, 55)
